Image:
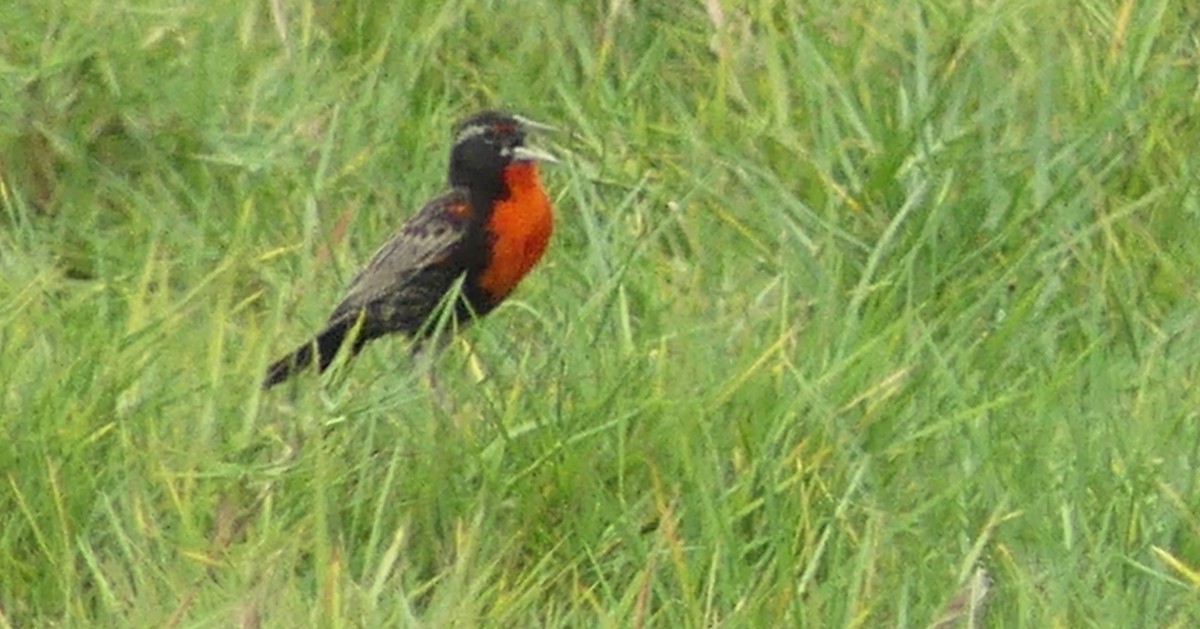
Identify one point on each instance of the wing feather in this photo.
(400, 269)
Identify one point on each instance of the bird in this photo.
(487, 230)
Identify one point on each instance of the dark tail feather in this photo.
(325, 346)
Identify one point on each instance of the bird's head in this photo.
(487, 143)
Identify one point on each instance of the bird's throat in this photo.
(519, 229)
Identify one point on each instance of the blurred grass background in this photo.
(847, 301)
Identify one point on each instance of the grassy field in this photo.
(848, 304)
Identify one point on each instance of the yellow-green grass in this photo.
(846, 301)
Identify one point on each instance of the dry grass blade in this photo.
(965, 608)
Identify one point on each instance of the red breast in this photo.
(519, 230)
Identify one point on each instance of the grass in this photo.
(847, 300)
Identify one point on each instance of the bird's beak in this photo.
(528, 125)
(531, 154)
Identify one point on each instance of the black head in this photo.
(486, 143)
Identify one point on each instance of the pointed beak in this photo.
(531, 154)
(528, 125)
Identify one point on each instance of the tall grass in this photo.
(848, 304)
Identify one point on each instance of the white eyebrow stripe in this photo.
(471, 131)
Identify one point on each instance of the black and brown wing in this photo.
(397, 290)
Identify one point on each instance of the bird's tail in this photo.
(324, 348)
